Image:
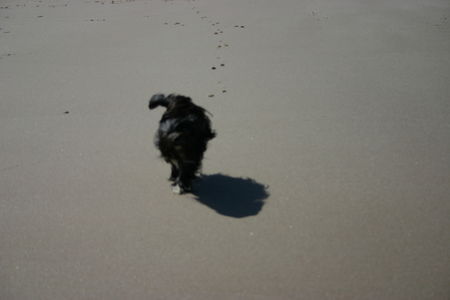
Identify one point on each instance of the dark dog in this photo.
(182, 137)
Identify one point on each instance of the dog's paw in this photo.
(181, 189)
(176, 189)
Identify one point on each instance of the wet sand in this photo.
(329, 178)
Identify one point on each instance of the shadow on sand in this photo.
(231, 196)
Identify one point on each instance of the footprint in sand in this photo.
(442, 22)
(318, 16)
(221, 45)
(174, 23)
(6, 55)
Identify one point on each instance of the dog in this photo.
(182, 137)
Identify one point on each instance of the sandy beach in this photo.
(329, 177)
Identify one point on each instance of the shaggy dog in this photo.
(182, 137)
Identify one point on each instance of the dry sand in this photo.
(335, 113)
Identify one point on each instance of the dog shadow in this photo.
(231, 196)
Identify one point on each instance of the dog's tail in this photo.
(158, 100)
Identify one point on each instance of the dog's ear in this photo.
(158, 100)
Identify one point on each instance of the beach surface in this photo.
(329, 177)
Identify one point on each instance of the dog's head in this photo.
(169, 101)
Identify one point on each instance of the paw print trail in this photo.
(219, 44)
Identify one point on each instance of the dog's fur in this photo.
(182, 137)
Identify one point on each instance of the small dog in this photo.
(182, 137)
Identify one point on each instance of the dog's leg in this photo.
(187, 175)
(177, 171)
(174, 171)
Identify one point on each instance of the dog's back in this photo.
(184, 130)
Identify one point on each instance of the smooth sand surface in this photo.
(329, 178)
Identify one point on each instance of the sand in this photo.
(329, 178)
